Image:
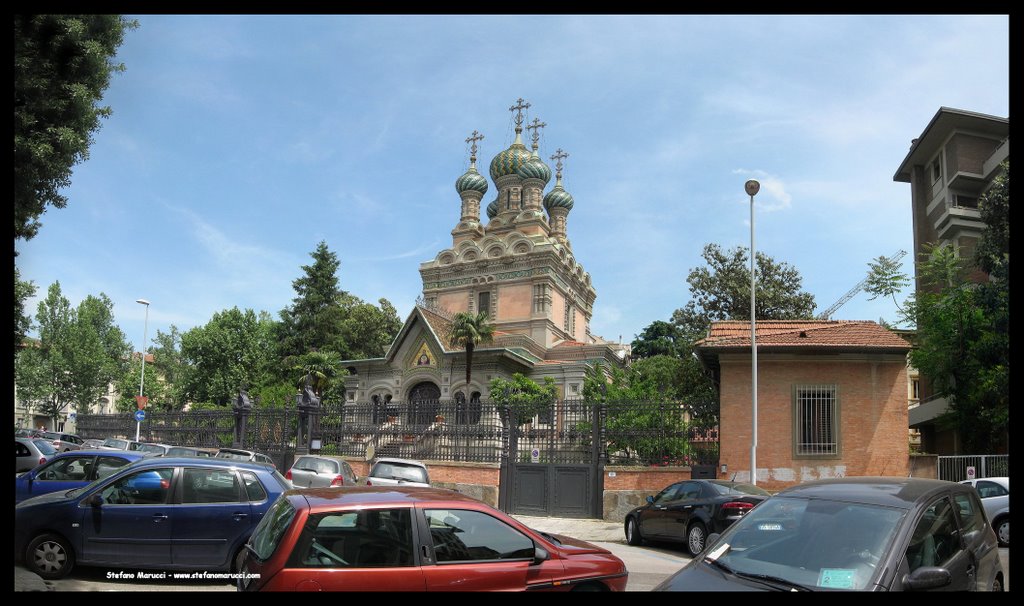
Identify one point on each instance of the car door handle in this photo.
(239, 515)
(159, 517)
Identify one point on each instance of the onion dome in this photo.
(535, 169)
(471, 181)
(558, 198)
(492, 209)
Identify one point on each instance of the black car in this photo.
(687, 512)
(860, 534)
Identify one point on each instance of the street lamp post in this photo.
(752, 188)
(142, 375)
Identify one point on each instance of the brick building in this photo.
(832, 399)
(949, 166)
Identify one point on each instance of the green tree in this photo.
(468, 331)
(323, 368)
(955, 341)
(79, 353)
(659, 339)
(313, 321)
(721, 291)
(127, 387)
(524, 397)
(885, 279)
(169, 366)
(233, 349)
(366, 330)
(23, 291)
(62, 66)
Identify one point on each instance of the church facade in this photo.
(515, 263)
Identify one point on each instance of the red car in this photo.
(397, 538)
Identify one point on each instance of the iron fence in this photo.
(566, 432)
(956, 468)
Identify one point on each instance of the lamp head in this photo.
(752, 187)
(143, 301)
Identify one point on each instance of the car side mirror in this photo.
(95, 500)
(927, 577)
(540, 554)
(650, 498)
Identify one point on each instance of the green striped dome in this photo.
(558, 198)
(471, 181)
(535, 169)
(510, 161)
(492, 209)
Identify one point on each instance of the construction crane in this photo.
(853, 291)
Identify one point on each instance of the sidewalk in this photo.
(585, 529)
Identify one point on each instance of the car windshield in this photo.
(50, 435)
(399, 471)
(233, 455)
(151, 448)
(44, 447)
(271, 528)
(814, 543)
(115, 443)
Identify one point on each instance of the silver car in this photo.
(311, 471)
(389, 472)
(63, 442)
(30, 453)
(995, 497)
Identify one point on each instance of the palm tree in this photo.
(469, 330)
(322, 367)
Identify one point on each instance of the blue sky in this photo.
(237, 143)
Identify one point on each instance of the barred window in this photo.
(816, 420)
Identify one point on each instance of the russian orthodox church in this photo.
(517, 266)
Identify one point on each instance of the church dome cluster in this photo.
(520, 161)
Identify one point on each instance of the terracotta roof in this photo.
(570, 344)
(857, 334)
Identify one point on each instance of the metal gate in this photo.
(554, 466)
(955, 468)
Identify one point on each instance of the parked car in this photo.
(92, 443)
(120, 444)
(855, 533)
(995, 496)
(310, 471)
(28, 432)
(71, 470)
(29, 453)
(687, 512)
(179, 513)
(387, 471)
(402, 538)
(244, 455)
(190, 451)
(159, 450)
(63, 442)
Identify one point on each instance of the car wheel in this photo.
(1002, 526)
(633, 536)
(696, 538)
(49, 556)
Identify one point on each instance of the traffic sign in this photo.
(140, 415)
(971, 473)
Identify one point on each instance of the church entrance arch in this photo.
(424, 403)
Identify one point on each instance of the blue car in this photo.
(71, 470)
(180, 513)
